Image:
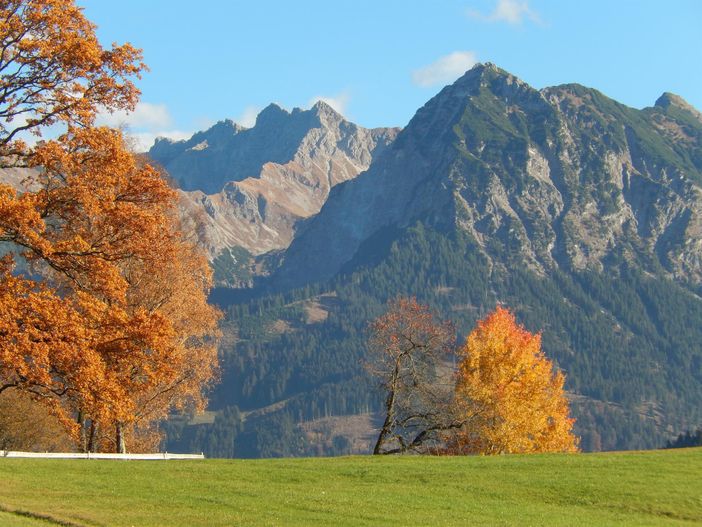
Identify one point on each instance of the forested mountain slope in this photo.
(580, 213)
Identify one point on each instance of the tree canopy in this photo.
(53, 70)
(409, 354)
(508, 387)
(504, 396)
(107, 321)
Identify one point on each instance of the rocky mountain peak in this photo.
(273, 114)
(484, 92)
(320, 114)
(323, 107)
(226, 127)
(165, 150)
(218, 134)
(326, 114)
(486, 75)
(668, 100)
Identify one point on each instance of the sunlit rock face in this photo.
(250, 188)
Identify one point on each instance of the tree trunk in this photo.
(92, 436)
(83, 432)
(121, 446)
(389, 410)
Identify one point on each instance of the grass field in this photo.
(634, 488)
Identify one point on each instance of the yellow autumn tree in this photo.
(510, 393)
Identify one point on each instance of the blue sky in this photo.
(379, 61)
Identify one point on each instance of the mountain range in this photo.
(581, 214)
(558, 178)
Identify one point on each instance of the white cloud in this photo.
(145, 115)
(446, 69)
(511, 11)
(338, 102)
(248, 116)
(142, 126)
(143, 141)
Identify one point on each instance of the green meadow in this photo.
(627, 488)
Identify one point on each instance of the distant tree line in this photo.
(687, 439)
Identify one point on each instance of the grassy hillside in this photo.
(634, 488)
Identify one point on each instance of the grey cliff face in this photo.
(560, 177)
(250, 187)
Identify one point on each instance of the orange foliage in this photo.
(29, 426)
(111, 329)
(53, 70)
(509, 391)
(119, 330)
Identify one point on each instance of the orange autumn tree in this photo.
(107, 324)
(514, 398)
(118, 330)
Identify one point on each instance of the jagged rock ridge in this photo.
(250, 187)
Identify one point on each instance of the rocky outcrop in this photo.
(251, 187)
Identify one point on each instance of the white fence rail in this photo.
(90, 455)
